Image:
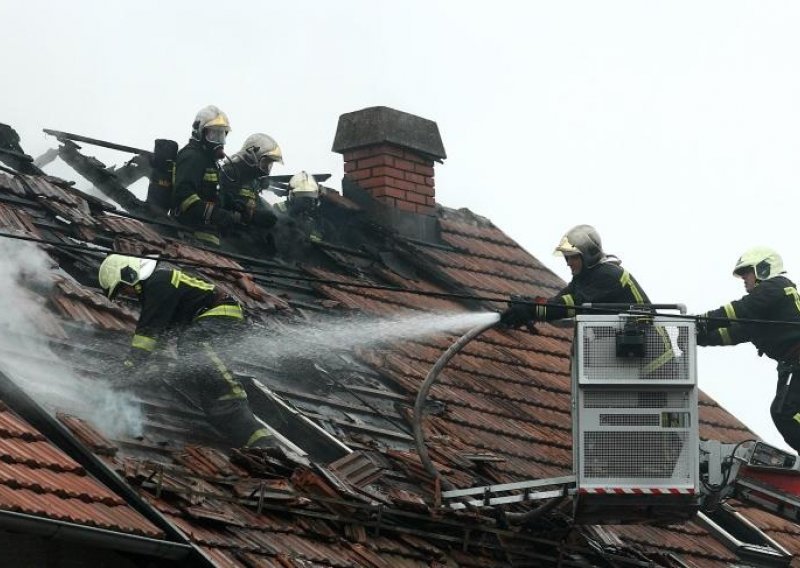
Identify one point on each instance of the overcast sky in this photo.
(673, 127)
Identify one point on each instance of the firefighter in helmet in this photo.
(597, 278)
(240, 180)
(770, 296)
(303, 195)
(302, 198)
(196, 179)
(206, 321)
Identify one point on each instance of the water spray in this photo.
(332, 335)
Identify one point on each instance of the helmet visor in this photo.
(216, 134)
(265, 164)
(566, 248)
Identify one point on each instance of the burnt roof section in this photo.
(376, 125)
(13, 154)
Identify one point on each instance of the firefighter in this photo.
(597, 278)
(240, 184)
(196, 179)
(770, 296)
(206, 321)
(303, 197)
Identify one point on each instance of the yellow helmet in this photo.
(119, 269)
(765, 262)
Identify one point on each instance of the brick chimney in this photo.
(390, 155)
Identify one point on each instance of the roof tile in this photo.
(13, 184)
(40, 186)
(131, 228)
(17, 221)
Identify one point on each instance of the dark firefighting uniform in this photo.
(773, 299)
(241, 192)
(206, 321)
(604, 283)
(608, 283)
(196, 190)
(245, 198)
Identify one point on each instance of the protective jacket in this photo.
(172, 299)
(245, 198)
(196, 186)
(206, 321)
(608, 283)
(773, 299)
(605, 282)
(240, 197)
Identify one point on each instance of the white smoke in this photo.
(26, 278)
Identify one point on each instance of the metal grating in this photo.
(635, 399)
(630, 419)
(664, 357)
(635, 455)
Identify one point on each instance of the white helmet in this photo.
(119, 269)
(765, 262)
(303, 193)
(260, 151)
(211, 125)
(583, 240)
(304, 185)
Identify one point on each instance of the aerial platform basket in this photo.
(635, 424)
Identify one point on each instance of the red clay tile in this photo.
(36, 454)
(13, 427)
(88, 435)
(17, 221)
(131, 227)
(39, 186)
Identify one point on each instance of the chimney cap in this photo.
(380, 124)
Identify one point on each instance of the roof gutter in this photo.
(58, 434)
(92, 536)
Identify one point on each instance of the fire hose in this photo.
(422, 395)
(422, 450)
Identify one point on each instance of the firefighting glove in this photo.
(264, 218)
(225, 219)
(520, 311)
(248, 211)
(701, 329)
